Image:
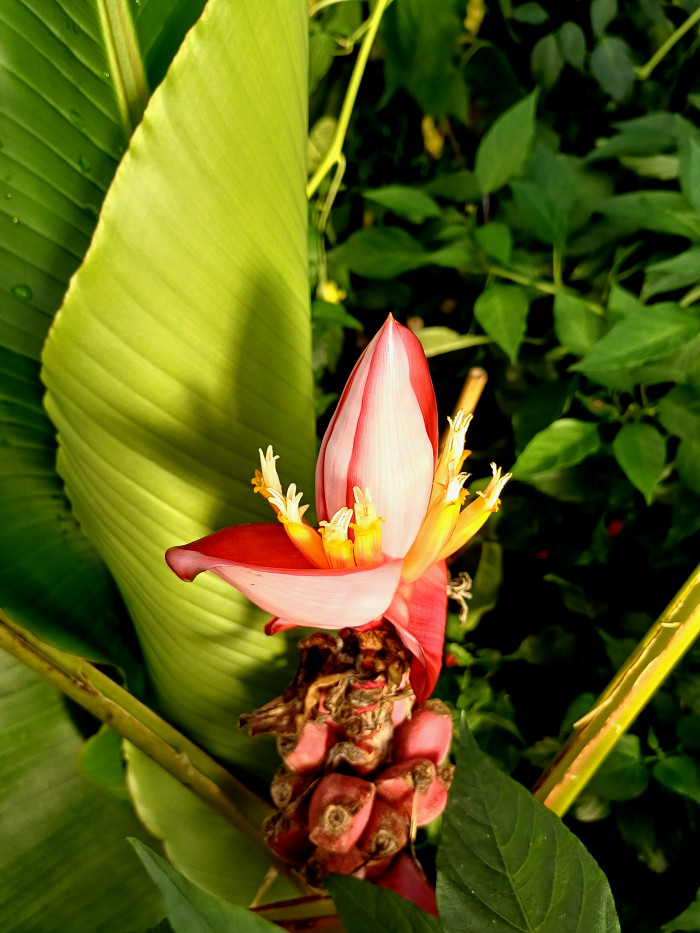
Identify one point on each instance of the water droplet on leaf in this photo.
(76, 119)
(9, 195)
(15, 220)
(23, 292)
(85, 165)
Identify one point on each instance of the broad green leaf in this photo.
(664, 167)
(689, 161)
(73, 87)
(64, 860)
(539, 407)
(505, 147)
(487, 583)
(571, 41)
(641, 337)
(204, 846)
(624, 774)
(321, 54)
(363, 906)
(603, 12)
(496, 240)
(686, 922)
(546, 61)
(641, 452)
(613, 68)
(191, 910)
(645, 135)
(577, 327)
(385, 252)
(410, 203)
(184, 345)
(438, 340)
(458, 187)
(660, 211)
(679, 412)
(496, 841)
(502, 311)
(531, 13)
(101, 762)
(688, 463)
(670, 274)
(680, 774)
(563, 444)
(420, 43)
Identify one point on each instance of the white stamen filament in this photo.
(288, 505)
(337, 528)
(268, 469)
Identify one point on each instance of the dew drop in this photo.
(9, 195)
(76, 118)
(85, 165)
(15, 220)
(23, 292)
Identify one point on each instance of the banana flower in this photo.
(390, 510)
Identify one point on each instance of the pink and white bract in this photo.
(389, 508)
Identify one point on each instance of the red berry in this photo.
(339, 810)
(427, 734)
(407, 878)
(307, 751)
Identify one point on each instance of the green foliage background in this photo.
(525, 195)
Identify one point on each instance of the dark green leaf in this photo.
(641, 337)
(420, 38)
(191, 910)
(495, 839)
(496, 240)
(563, 444)
(438, 340)
(688, 463)
(323, 312)
(641, 452)
(546, 61)
(645, 135)
(539, 407)
(385, 252)
(572, 44)
(502, 311)
(603, 12)
(577, 327)
(624, 774)
(679, 412)
(364, 907)
(101, 761)
(531, 13)
(64, 862)
(661, 211)
(404, 202)
(671, 274)
(679, 773)
(689, 161)
(321, 54)
(458, 187)
(613, 68)
(505, 147)
(487, 583)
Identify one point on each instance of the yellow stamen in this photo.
(368, 533)
(302, 535)
(476, 513)
(338, 548)
(266, 477)
(437, 527)
(452, 455)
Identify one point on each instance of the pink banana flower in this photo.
(390, 511)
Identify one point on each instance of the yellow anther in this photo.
(437, 527)
(452, 456)
(366, 527)
(339, 549)
(302, 535)
(476, 513)
(266, 478)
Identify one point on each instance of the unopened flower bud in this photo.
(407, 878)
(415, 789)
(427, 734)
(386, 832)
(307, 751)
(339, 810)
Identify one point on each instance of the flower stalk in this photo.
(596, 733)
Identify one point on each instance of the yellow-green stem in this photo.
(595, 735)
(645, 70)
(335, 150)
(111, 704)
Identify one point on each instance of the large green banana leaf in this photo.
(73, 86)
(64, 860)
(184, 344)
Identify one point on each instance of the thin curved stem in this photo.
(645, 70)
(597, 732)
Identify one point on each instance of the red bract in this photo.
(390, 512)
